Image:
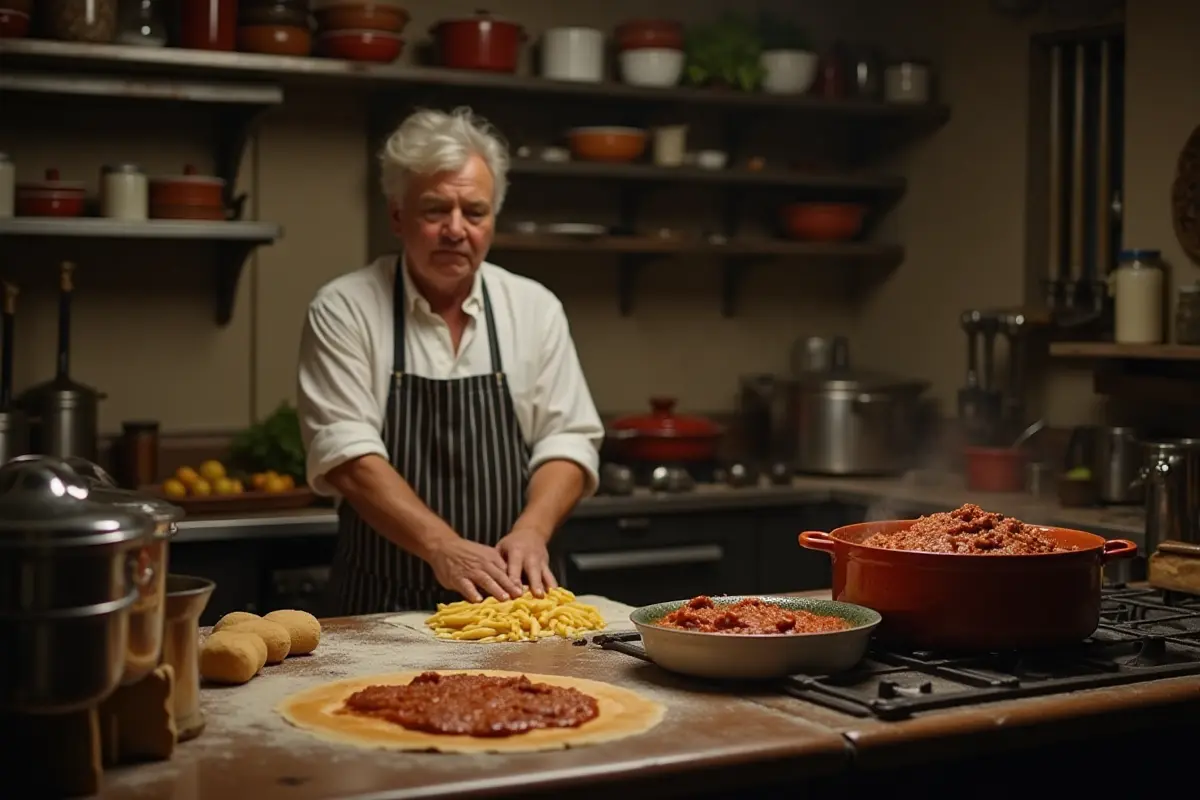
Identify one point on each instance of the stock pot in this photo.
(67, 585)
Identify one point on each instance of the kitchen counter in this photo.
(711, 740)
(883, 497)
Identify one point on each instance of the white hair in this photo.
(430, 141)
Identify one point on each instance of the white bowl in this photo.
(652, 66)
(788, 71)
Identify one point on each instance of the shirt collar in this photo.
(413, 299)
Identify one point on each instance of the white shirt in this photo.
(346, 366)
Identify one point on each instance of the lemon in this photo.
(173, 487)
(288, 481)
(238, 488)
(275, 485)
(212, 470)
(186, 475)
(224, 486)
(201, 488)
(259, 480)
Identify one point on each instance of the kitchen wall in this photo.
(144, 330)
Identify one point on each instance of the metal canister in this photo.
(1118, 462)
(1170, 473)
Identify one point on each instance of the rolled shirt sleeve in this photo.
(340, 418)
(565, 422)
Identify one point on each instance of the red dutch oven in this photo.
(664, 437)
(958, 601)
(482, 42)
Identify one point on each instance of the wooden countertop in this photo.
(710, 737)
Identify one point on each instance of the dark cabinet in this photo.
(785, 566)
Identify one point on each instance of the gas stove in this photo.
(1144, 635)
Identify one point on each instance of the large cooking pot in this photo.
(66, 588)
(855, 423)
(664, 437)
(147, 615)
(955, 601)
(481, 42)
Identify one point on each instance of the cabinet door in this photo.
(653, 558)
(785, 566)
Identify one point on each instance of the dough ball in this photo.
(233, 618)
(274, 635)
(303, 627)
(229, 657)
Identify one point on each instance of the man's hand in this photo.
(524, 549)
(461, 566)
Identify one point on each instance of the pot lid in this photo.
(51, 181)
(105, 490)
(190, 175)
(480, 15)
(859, 381)
(46, 503)
(663, 421)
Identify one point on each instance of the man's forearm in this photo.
(554, 489)
(388, 504)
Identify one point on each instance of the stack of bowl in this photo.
(650, 51)
(275, 27)
(360, 30)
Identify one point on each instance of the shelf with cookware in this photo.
(189, 206)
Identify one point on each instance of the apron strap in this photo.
(398, 312)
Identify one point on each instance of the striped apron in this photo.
(459, 445)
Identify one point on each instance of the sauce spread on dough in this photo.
(971, 530)
(475, 705)
(749, 616)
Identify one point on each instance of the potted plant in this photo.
(724, 54)
(788, 62)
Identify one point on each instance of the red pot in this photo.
(187, 196)
(379, 47)
(823, 222)
(482, 42)
(995, 469)
(51, 197)
(643, 34)
(955, 601)
(664, 437)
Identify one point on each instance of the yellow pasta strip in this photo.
(521, 619)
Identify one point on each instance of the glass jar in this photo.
(1136, 286)
(141, 24)
(1187, 315)
(92, 21)
(208, 24)
(124, 192)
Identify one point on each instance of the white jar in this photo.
(1136, 286)
(670, 145)
(906, 82)
(124, 193)
(573, 54)
(7, 186)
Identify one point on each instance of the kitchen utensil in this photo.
(780, 474)
(664, 437)
(607, 143)
(573, 54)
(187, 597)
(820, 354)
(1028, 433)
(764, 403)
(1170, 474)
(616, 479)
(1118, 461)
(788, 71)
(670, 145)
(855, 423)
(738, 475)
(14, 424)
(954, 601)
(376, 47)
(482, 42)
(66, 588)
(995, 469)
(651, 66)
(276, 40)
(731, 656)
(823, 222)
(64, 413)
(653, 34)
(188, 196)
(362, 15)
(50, 197)
(671, 479)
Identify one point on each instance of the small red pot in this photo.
(664, 437)
(995, 469)
(644, 34)
(379, 47)
(51, 197)
(187, 196)
(482, 42)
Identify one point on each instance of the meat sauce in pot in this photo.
(969, 530)
(749, 616)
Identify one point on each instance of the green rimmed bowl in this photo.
(737, 656)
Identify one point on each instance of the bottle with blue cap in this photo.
(1138, 286)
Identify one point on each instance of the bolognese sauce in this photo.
(475, 705)
(748, 616)
(969, 530)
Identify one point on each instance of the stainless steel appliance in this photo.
(67, 585)
(1170, 474)
(1118, 462)
(990, 410)
(764, 402)
(856, 423)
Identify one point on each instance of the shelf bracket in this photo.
(235, 125)
(231, 263)
(629, 268)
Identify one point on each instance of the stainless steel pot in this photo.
(856, 423)
(1118, 463)
(1170, 474)
(147, 615)
(66, 588)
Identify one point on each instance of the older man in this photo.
(440, 396)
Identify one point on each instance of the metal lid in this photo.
(858, 381)
(46, 503)
(105, 490)
(132, 169)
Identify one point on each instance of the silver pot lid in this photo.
(44, 502)
(105, 490)
(852, 380)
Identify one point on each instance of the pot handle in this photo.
(817, 540)
(1118, 548)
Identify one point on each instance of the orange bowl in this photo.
(378, 47)
(361, 15)
(823, 222)
(611, 143)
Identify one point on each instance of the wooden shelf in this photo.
(844, 184)
(635, 252)
(292, 70)
(235, 241)
(1141, 352)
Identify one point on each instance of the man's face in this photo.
(446, 223)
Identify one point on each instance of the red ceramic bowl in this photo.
(377, 47)
(823, 222)
(995, 469)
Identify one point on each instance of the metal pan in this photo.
(733, 656)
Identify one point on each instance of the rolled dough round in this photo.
(623, 713)
(233, 618)
(274, 635)
(302, 626)
(231, 657)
